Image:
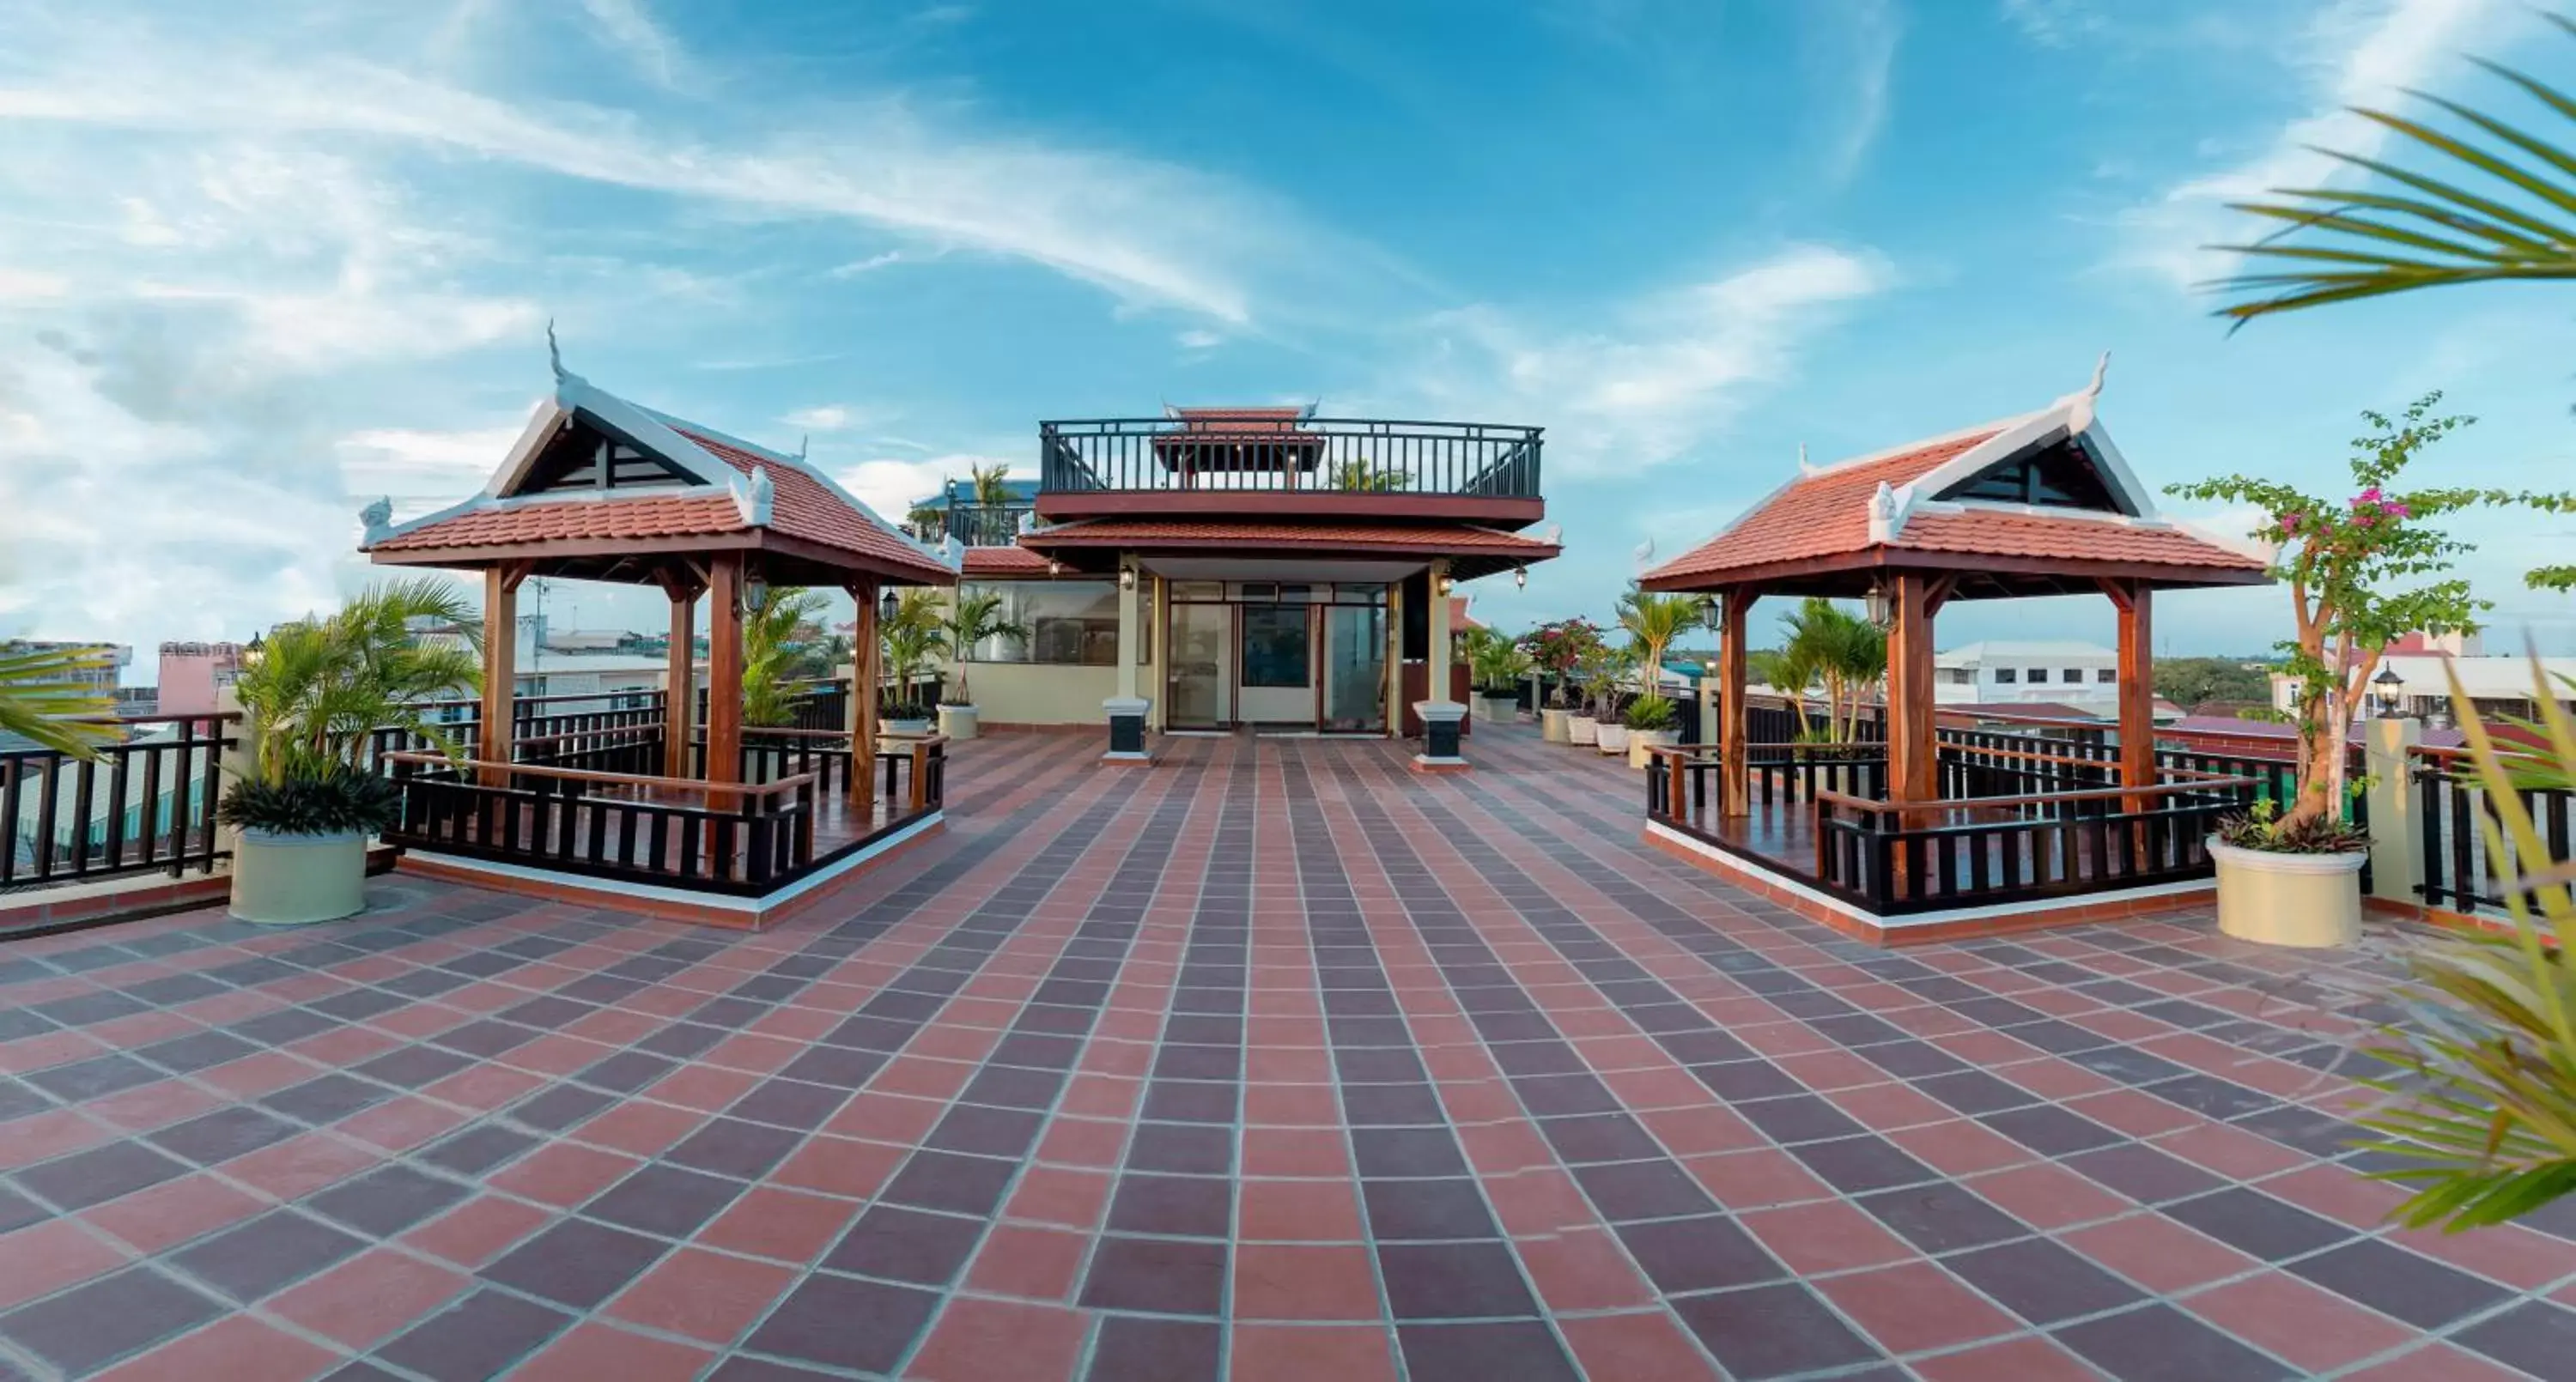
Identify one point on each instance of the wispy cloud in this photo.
(1856, 54)
(2055, 23)
(1666, 372)
(828, 417)
(626, 26)
(2352, 53)
(871, 264)
(1199, 339)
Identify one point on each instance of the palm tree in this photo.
(1845, 651)
(992, 484)
(971, 620)
(1364, 476)
(772, 655)
(928, 521)
(45, 698)
(911, 639)
(1653, 622)
(2428, 230)
(321, 688)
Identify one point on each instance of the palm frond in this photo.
(46, 698)
(2379, 243)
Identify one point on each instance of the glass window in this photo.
(1274, 646)
(2105, 674)
(1068, 623)
(2038, 675)
(2074, 676)
(2003, 676)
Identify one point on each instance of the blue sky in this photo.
(261, 264)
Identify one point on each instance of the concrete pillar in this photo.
(2396, 827)
(1130, 626)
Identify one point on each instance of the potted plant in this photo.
(971, 619)
(311, 702)
(1653, 721)
(1597, 679)
(1499, 665)
(1557, 650)
(2361, 573)
(911, 639)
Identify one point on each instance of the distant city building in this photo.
(193, 676)
(2498, 685)
(2083, 676)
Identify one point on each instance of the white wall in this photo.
(1019, 693)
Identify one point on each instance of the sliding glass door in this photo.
(1354, 667)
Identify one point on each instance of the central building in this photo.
(1255, 568)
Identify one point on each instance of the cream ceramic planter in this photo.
(1583, 730)
(2306, 900)
(957, 721)
(1641, 740)
(1556, 726)
(1501, 710)
(1610, 738)
(295, 880)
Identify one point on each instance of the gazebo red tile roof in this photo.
(1822, 514)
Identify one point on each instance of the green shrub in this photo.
(335, 802)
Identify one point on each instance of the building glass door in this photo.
(1354, 668)
(1201, 649)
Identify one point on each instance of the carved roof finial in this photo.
(2079, 413)
(554, 352)
(1805, 467)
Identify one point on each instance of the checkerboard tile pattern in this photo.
(1276, 1062)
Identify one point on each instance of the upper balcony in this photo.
(1275, 461)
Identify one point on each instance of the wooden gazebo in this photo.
(1911, 819)
(597, 488)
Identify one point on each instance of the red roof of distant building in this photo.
(1016, 562)
(2435, 737)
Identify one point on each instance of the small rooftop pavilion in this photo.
(1926, 830)
(676, 801)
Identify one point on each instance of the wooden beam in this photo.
(1735, 771)
(1912, 766)
(724, 672)
(500, 672)
(863, 707)
(679, 675)
(2137, 689)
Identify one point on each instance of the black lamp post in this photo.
(887, 606)
(2388, 693)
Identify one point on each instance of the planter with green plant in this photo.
(1598, 724)
(912, 639)
(311, 702)
(971, 620)
(1653, 722)
(2362, 573)
(1499, 665)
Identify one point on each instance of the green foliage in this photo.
(39, 703)
(1652, 711)
(991, 483)
(2262, 827)
(910, 641)
(322, 686)
(1653, 621)
(2362, 572)
(1497, 663)
(970, 620)
(2269, 715)
(1599, 674)
(2485, 1067)
(928, 522)
(2340, 244)
(2188, 681)
(1360, 475)
(1560, 649)
(772, 658)
(336, 802)
(1846, 652)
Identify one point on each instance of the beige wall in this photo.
(1018, 693)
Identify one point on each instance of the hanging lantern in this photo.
(1882, 609)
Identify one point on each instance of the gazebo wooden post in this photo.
(724, 674)
(500, 670)
(1913, 765)
(1734, 769)
(863, 708)
(679, 676)
(2135, 602)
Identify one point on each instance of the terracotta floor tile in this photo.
(1303, 1353)
(709, 1296)
(593, 1351)
(1642, 1345)
(239, 1347)
(370, 1298)
(1000, 1341)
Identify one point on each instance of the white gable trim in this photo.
(799, 463)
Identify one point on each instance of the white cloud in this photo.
(2353, 53)
(1665, 374)
(1861, 63)
(2055, 23)
(891, 486)
(829, 417)
(419, 469)
(627, 27)
(870, 264)
(1196, 339)
(26, 283)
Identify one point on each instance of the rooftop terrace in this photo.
(1275, 1062)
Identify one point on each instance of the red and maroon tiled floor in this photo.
(1275, 1062)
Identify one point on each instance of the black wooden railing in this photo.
(985, 525)
(1460, 459)
(143, 805)
(2459, 872)
(745, 839)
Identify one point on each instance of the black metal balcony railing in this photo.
(1316, 455)
(986, 525)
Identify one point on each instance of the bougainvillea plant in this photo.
(2363, 572)
(1561, 647)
